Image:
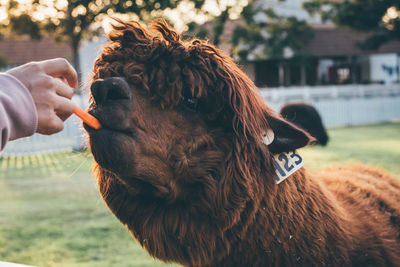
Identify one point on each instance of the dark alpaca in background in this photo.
(307, 118)
(181, 162)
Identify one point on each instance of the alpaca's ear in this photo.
(287, 136)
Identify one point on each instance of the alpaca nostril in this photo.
(97, 91)
(110, 89)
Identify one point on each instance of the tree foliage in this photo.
(266, 35)
(3, 62)
(214, 29)
(76, 20)
(379, 17)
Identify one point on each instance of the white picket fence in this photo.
(338, 106)
(342, 105)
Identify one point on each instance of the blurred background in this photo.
(342, 57)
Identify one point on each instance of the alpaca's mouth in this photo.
(104, 129)
(107, 126)
(113, 145)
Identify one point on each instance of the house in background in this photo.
(22, 50)
(341, 61)
(331, 57)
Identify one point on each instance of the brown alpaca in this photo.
(181, 162)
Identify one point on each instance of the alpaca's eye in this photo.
(191, 103)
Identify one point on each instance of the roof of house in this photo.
(332, 41)
(328, 41)
(24, 50)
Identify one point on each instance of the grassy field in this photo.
(52, 215)
(375, 145)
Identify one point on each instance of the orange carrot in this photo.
(87, 118)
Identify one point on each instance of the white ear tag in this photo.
(268, 137)
(286, 164)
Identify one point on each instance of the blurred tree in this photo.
(219, 24)
(76, 20)
(266, 35)
(379, 17)
(3, 62)
(216, 26)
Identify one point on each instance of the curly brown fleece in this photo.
(196, 187)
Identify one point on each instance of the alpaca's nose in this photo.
(110, 89)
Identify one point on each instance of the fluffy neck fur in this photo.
(257, 222)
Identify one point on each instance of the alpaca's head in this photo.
(181, 141)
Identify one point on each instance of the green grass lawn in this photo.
(52, 215)
(375, 145)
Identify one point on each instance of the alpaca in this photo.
(307, 118)
(187, 160)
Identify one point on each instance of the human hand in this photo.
(52, 96)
